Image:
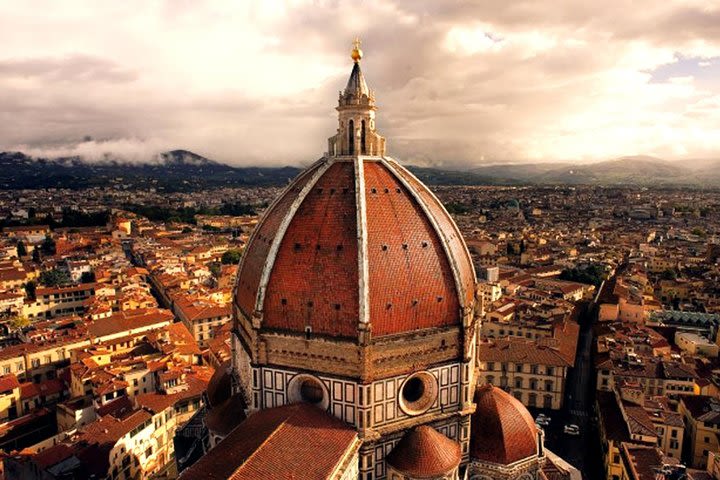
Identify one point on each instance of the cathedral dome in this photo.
(425, 453)
(355, 244)
(355, 240)
(503, 431)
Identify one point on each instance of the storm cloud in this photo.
(458, 83)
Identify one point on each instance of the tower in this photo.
(356, 133)
(356, 294)
(354, 336)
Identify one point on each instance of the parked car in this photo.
(542, 420)
(571, 429)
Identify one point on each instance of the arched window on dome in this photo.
(363, 149)
(351, 137)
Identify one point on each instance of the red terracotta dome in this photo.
(503, 431)
(223, 418)
(219, 388)
(425, 453)
(355, 240)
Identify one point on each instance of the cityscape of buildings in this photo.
(349, 326)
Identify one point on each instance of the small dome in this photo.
(503, 430)
(425, 453)
(223, 418)
(219, 387)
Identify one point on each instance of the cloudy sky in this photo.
(458, 83)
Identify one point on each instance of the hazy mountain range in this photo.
(184, 170)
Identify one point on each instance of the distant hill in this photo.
(632, 170)
(638, 170)
(178, 170)
(517, 173)
(182, 170)
(708, 174)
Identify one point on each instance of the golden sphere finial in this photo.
(356, 54)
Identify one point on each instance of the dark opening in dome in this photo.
(311, 391)
(413, 389)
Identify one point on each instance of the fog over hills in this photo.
(185, 170)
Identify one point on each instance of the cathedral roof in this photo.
(293, 441)
(503, 431)
(356, 240)
(424, 453)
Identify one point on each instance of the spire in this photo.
(356, 83)
(356, 133)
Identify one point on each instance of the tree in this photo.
(30, 290)
(54, 278)
(699, 232)
(231, 257)
(456, 208)
(669, 274)
(593, 274)
(48, 245)
(87, 277)
(19, 322)
(215, 269)
(21, 250)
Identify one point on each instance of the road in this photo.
(582, 451)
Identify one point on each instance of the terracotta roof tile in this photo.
(503, 430)
(314, 281)
(424, 452)
(251, 267)
(413, 250)
(293, 441)
(411, 280)
(8, 382)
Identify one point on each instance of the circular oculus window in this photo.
(308, 389)
(418, 393)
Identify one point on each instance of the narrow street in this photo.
(582, 451)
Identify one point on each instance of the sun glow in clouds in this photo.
(256, 82)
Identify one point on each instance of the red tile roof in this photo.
(157, 402)
(182, 340)
(503, 431)
(256, 253)
(127, 321)
(415, 257)
(425, 453)
(8, 382)
(293, 441)
(411, 280)
(314, 280)
(448, 228)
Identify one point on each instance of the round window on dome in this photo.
(418, 393)
(311, 391)
(308, 389)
